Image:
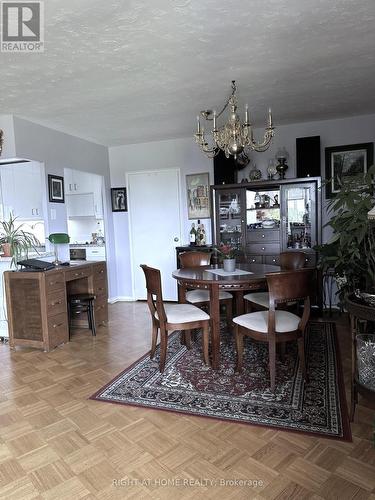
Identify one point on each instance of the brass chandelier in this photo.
(233, 137)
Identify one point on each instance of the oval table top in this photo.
(205, 275)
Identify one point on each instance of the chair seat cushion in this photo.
(260, 298)
(183, 313)
(195, 296)
(258, 321)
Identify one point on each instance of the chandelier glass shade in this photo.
(234, 136)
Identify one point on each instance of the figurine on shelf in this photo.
(276, 201)
(257, 200)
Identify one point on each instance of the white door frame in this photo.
(139, 172)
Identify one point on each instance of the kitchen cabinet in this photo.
(81, 184)
(77, 182)
(264, 218)
(23, 190)
(80, 205)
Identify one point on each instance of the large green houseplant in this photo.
(15, 240)
(350, 253)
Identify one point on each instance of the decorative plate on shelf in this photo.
(268, 223)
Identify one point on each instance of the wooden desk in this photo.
(37, 302)
(203, 278)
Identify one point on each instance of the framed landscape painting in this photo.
(198, 195)
(343, 162)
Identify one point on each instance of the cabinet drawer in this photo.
(56, 303)
(58, 331)
(75, 274)
(259, 235)
(265, 248)
(99, 270)
(101, 312)
(273, 260)
(255, 259)
(54, 282)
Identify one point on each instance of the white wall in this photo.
(58, 151)
(185, 154)
(179, 153)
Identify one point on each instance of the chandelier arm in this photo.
(264, 145)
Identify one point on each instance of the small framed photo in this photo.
(56, 189)
(119, 200)
(198, 196)
(344, 162)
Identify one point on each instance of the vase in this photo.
(229, 265)
(7, 250)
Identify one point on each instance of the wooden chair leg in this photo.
(229, 312)
(163, 348)
(205, 339)
(188, 338)
(154, 340)
(301, 354)
(272, 363)
(239, 347)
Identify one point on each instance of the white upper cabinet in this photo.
(22, 190)
(77, 182)
(77, 185)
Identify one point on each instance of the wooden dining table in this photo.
(247, 277)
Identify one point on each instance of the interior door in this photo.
(155, 227)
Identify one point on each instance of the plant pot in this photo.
(229, 265)
(7, 250)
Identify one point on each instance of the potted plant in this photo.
(350, 253)
(16, 242)
(228, 255)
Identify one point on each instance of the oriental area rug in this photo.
(189, 386)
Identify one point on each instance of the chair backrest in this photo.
(290, 261)
(289, 286)
(154, 292)
(286, 286)
(194, 259)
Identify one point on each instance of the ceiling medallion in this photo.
(233, 137)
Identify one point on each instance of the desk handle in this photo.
(56, 325)
(55, 303)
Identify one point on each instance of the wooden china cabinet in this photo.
(264, 218)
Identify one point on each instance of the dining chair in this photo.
(168, 318)
(202, 297)
(274, 326)
(289, 261)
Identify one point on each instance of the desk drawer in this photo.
(255, 259)
(76, 274)
(58, 331)
(56, 303)
(265, 248)
(100, 271)
(55, 282)
(259, 235)
(101, 311)
(274, 260)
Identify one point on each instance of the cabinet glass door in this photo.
(230, 217)
(299, 216)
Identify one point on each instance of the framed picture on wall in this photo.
(119, 200)
(56, 189)
(198, 195)
(343, 162)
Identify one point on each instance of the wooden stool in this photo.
(82, 302)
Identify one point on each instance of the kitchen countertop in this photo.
(85, 245)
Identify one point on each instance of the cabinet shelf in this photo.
(263, 208)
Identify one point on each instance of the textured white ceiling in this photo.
(119, 72)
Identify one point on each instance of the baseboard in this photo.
(121, 298)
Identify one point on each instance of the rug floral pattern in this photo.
(189, 386)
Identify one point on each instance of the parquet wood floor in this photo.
(57, 444)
